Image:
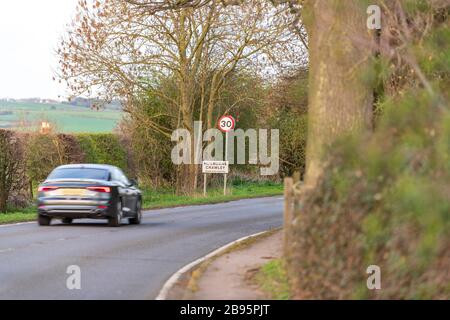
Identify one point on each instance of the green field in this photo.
(27, 116)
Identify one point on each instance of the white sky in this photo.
(29, 33)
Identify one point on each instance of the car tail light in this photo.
(100, 189)
(46, 189)
(103, 207)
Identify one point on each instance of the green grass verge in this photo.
(272, 278)
(167, 198)
(28, 214)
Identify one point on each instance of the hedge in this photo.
(102, 148)
(43, 152)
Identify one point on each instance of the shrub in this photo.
(11, 167)
(287, 111)
(383, 198)
(293, 133)
(44, 152)
(102, 148)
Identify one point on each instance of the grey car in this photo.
(89, 191)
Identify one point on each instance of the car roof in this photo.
(88, 166)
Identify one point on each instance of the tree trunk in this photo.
(340, 101)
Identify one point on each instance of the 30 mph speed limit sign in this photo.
(226, 123)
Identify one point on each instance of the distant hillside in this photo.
(79, 102)
(68, 117)
(91, 103)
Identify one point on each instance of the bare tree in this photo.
(121, 49)
(339, 102)
(292, 7)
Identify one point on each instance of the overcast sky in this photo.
(29, 33)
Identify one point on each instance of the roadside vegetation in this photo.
(273, 279)
(18, 215)
(381, 196)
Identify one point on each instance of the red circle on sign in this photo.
(226, 123)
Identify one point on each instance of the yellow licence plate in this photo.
(72, 192)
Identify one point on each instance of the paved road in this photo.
(130, 262)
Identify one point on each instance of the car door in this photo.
(130, 194)
(121, 188)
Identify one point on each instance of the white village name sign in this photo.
(215, 167)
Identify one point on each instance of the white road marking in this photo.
(6, 250)
(176, 276)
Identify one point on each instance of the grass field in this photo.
(66, 118)
(166, 198)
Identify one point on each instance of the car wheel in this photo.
(67, 220)
(138, 217)
(44, 220)
(117, 219)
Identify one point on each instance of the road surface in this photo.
(130, 262)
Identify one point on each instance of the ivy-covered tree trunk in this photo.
(340, 99)
(340, 103)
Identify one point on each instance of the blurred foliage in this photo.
(384, 196)
(293, 132)
(287, 107)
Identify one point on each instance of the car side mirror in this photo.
(134, 182)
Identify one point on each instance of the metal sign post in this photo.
(226, 159)
(226, 124)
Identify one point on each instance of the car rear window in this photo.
(80, 173)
